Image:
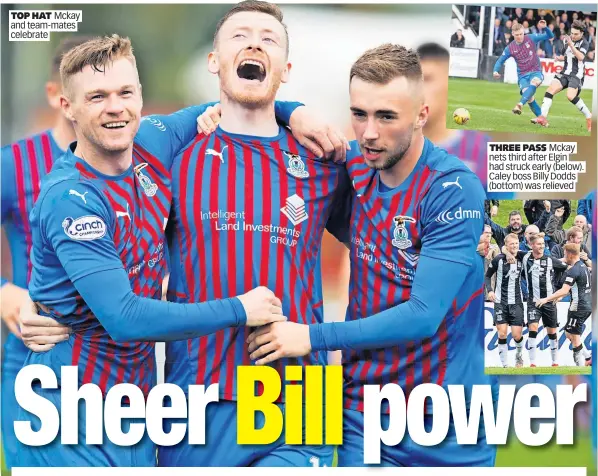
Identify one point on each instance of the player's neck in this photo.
(238, 119)
(396, 175)
(105, 162)
(438, 133)
(537, 256)
(63, 132)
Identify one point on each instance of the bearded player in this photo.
(418, 212)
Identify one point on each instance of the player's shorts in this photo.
(221, 448)
(547, 312)
(407, 452)
(511, 314)
(575, 321)
(525, 81)
(107, 454)
(568, 81)
(14, 355)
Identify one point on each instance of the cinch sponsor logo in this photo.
(448, 216)
(85, 228)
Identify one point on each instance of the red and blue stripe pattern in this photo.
(231, 235)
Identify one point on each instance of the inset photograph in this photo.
(538, 311)
(522, 70)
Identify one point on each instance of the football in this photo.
(461, 116)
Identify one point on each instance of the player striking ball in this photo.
(529, 69)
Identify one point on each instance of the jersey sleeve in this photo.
(166, 135)
(546, 34)
(506, 54)
(583, 48)
(340, 217)
(571, 275)
(452, 217)
(492, 267)
(8, 190)
(76, 223)
(558, 265)
(285, 109)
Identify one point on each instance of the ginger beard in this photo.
(250, 59)
(105, 106)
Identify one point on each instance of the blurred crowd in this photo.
(558, 21)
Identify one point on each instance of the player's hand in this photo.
(491, 296)
(541, 302)
(541, 24)
(559, 212)
(547, 205)
(493, 211)
(209, 120)
(12, 298)
(261, 307)
(278, 340)
(583, 255)
(320, 138)
(496, 74)
(40, 333)
(510, 258)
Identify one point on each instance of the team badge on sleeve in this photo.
(149, 187)
(400, 234)
(296, 166)
(85, 228)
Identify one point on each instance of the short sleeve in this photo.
(452, 217)
(77, 224)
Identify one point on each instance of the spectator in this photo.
(573, 235)
(547, 45)
(508, 26)
(508, 38)
(491, 207)
(565, 20)
(588, 21)
(499, 35)
(518, 15)
(545, 15)
(526, 29)
(529, 16)
(590, 56)
(584, 207)
(490, 251)
(535, 210)
(458, 40)
(558, 46)
(530, 233)
(515, 226)
(563, 28)
(574, 16)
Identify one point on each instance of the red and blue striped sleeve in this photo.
(8, 190)
(77, 224)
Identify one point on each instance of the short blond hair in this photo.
(511, 236)
(97, 53)
(386, 62)
(516, 27)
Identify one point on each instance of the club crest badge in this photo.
(149, 187)
(400, 234)
(296, 166)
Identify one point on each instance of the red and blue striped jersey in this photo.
(471, 147)
(86, 222)
(438, 212)
(247, 211)
(24, 164)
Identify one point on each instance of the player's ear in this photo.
(422, 117)
(65, 106)
(213, 63)
(286, 73)
(53, 91)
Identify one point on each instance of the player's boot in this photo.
(589, 124)
(555, 364)
(577, 359)
(518, 360)
(589, 362)
(532, 365)
(517, 109)
(540, 120)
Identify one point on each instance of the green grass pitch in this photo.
(490, 104)
(539, 371)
